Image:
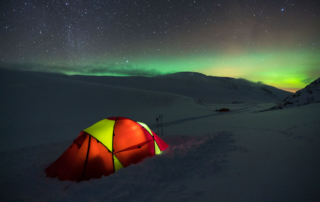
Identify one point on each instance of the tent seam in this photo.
(85, 163)
(115, 122)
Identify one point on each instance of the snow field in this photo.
(241, 155)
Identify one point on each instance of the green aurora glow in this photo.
(273, 42)
(288, 70)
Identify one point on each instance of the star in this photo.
(165, 34)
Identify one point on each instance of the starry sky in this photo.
(273, 42)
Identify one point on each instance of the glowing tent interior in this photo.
(104, 148)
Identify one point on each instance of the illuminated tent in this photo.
(104, 148)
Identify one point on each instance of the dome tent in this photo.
(104, 148)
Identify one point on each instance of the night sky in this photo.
(275, 42)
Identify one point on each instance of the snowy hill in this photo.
(240, 155)
(222, 89)
(195, 85)
(31, 101)
(309, 94)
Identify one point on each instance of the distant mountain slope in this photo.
(310, 94)
(195, 85)
(30, 92)
(226, 89)
(31, 102)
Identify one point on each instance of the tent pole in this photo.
(161, 126)
(157, 125)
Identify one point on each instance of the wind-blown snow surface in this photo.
(308, 95)
(241, 155)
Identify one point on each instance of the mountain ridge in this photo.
(203, 88)
(308, 95)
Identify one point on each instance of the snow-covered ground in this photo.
(241, 155)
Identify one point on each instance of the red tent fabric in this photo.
(104, 148)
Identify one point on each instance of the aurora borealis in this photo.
(274, 42)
